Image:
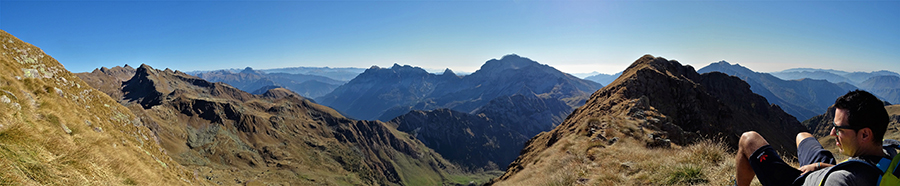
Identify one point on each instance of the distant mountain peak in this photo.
(448, 72)
(145, 70)
(249, 70)
(511, 61)
(726, 63)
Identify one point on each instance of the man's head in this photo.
(860, 122)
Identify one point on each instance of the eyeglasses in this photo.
(837, 128)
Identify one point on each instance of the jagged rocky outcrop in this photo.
(803, 98)
(229, 136)
(110, 81)
(57, 130)
(660, 104)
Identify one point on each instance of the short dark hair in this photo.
(865, 111)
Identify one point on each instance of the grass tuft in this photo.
(689, 174)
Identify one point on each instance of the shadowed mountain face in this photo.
(57, 130)
(250, 80)
(229, 136)
(474, 141)
(802, 98)
(492, 136)
(656, 103)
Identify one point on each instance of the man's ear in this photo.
(866, 134)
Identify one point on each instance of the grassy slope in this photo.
(578, 160)
(56, 130)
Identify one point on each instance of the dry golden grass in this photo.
(627, 162)
(56, 130)
(576, 160)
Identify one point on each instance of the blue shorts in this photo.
(770, 169)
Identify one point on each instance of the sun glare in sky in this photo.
(573, 36)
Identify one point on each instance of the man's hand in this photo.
(813, 167)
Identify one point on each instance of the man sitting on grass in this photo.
(860, 121)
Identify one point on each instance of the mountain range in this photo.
(604, 79)
(621, 134)
(385, 93)
(493, 111)
(228, 136)
(802, 98)
(341, 74)
(883, 84)
(656, 123)
(254, 81)
(834, 76)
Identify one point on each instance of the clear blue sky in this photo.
(573, 36)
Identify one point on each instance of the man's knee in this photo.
(751, 141)
(801, 136)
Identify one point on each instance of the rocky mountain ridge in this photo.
(229, 136)
(656, 103)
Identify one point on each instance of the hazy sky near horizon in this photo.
(573, 36)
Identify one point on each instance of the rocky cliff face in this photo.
(228, 136)
(491, 137)
(474, 141)
(526, 114)
(656, 103)
(57, 130)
